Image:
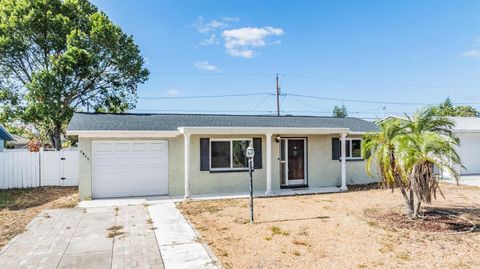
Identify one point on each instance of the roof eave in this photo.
(261, 130)
(122, 133)
(9, 136)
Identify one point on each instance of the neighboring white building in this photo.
(468, 130)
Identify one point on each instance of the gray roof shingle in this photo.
(170, 122)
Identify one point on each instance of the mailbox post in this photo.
(250, 153)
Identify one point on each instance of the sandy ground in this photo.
(19, 207)
(334, 231)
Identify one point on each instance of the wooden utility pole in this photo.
(278, 98)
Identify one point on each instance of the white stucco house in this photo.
(187, 154)
(468, 130)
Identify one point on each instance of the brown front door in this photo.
(292, 161)
(296, 161)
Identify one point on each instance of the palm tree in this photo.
(406, 152)
(380, 148)
(428, 143)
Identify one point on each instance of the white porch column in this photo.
(187, 164)
(269, 164)
(344, 161)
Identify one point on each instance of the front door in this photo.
(293, 161)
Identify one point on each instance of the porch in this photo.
(292, 160)
(260, 194)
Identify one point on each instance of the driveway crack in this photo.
(71, 237)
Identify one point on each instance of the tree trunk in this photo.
(416, 210)
(408, 204)
(57, 138)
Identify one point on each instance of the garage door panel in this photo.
(468, 151)
(129, 168)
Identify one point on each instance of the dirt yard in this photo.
(343, 230)
(19, 207)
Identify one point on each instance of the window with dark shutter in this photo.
(204, 154)
(336, 149)
(257, 160)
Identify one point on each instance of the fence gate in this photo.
(59, 168)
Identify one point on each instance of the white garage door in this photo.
(469, 153)
(129, 168)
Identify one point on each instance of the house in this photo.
(18, 142)
(4, 136)
(186, 154)
(468, 130)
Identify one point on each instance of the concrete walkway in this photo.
(86, 238)
(179, 244)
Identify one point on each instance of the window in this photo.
(229, 154)
(354, 148)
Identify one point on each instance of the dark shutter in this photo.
(204, 154)
(257, 160)
(336, 149)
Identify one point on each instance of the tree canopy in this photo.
(448, 109)
(340, 111)
(61, 56)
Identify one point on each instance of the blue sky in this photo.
(377, 51)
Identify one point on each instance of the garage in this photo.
(469, 151)
(129, 168)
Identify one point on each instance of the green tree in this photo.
(448, 109)
(407, 152)
(340, 111)
(61, 56)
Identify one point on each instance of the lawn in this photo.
(18, 207)
(357, 229)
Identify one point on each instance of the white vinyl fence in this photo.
(24, 169)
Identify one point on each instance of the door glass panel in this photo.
(282, 150)
(283, 178)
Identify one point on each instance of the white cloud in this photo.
(212, 39)
(207, 27)
(205, 66)
(239, 42)
(472, 53)
(173, 92)
(245, 53)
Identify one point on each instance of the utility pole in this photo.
(278, 98)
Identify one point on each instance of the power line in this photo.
(205, 96)
(373, 102)
(395, 84)
(260, 103)
(382, 83)
(210, 74)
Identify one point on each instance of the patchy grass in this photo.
(278, 231)
(19, 206)
(114, 231)
(300, 232)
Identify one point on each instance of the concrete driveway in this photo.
(115, 233)
(469, 180)
(86, 238)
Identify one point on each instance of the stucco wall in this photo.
(322, 170)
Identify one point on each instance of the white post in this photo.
(269, 164)
(344, 162)
(187, 165)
